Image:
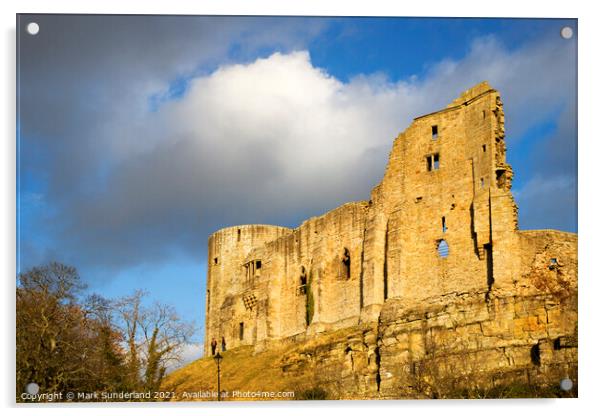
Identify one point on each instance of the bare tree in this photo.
(155, 337)
(129, 310)
(61, 345)
(164, 336)
(66, 344)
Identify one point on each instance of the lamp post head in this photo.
(217, 357)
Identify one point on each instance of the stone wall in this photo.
(228, 282)
(434, 256)
(308, 266)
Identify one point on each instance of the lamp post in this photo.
(218, 358)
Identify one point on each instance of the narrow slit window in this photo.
(241, 331)
(215, 260)
(482, 183)
(434, 132)
(484, 148)
(238, 237)
(436, 161)
(443, 224)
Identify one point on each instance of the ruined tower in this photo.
(442, 222)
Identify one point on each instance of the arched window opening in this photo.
(303, 277)
(346, 263)
(302, 289)
(443, 249)
(536, 355)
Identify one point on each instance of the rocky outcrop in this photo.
(451, 346)
(461, 343)
(344, 363)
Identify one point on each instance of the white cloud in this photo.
(317, 131)
(310, 124)
(278, 139)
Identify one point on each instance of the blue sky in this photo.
(140, 136)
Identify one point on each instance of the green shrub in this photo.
(309, 301)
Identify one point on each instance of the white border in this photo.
(589, 160)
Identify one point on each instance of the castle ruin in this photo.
(440, 230)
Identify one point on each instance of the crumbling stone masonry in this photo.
(434, 263)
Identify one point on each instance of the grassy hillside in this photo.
(241, 371)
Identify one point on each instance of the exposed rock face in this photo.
(446, 347)
(440, 348)
(436, 287)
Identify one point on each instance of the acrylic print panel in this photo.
(280, 208)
